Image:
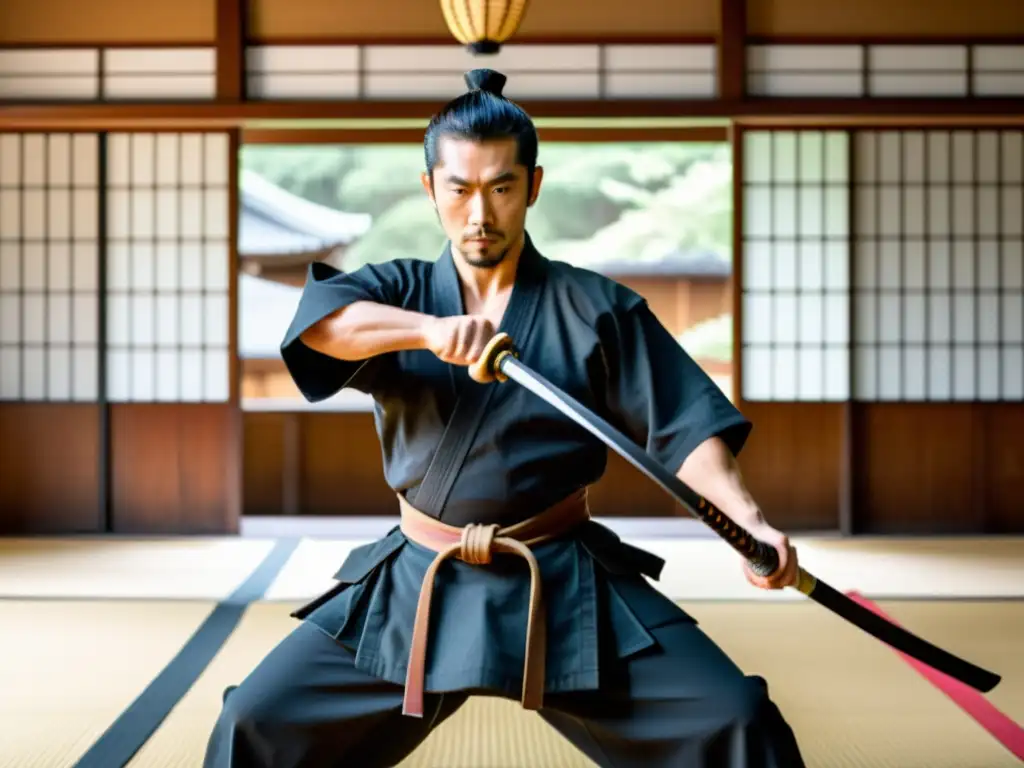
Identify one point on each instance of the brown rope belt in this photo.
(476, 545)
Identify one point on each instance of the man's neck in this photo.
(483, 284)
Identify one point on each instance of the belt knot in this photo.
(478, 543)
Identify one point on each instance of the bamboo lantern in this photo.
(483, 25)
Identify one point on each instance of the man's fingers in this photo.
(787, 575)
(783, 576)
(477, 347)
(467, 338)
(467, 341)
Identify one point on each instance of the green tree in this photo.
(709, 340)
(408, 229)
(600, 202)
(382, 176)
(310, 172)
(692, 213)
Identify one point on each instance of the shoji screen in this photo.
(795, 332)
(938, 330)
(49, 332)
(794, 328)
(48, 267)
(547, 71)
(174, 423)
(938, 266)
(168, 272)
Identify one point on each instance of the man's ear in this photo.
(538, 177)
(427, 180)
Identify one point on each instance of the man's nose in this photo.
(479, 210)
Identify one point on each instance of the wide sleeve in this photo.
(319, 376)
(659, 396)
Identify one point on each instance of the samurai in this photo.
(497, 581)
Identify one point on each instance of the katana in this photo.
(500, 361)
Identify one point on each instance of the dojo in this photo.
(495, 384)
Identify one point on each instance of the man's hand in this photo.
(788, 571)
(459, 340)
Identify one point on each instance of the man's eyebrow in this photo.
(501, 178)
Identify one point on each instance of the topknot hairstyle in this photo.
(480, 114)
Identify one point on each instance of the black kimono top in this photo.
(512, 454)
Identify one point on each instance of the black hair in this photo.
(483, 113)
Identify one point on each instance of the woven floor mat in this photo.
(114, 568)
(696, 569)
(70, 667)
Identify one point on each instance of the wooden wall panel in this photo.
(1002, 466)
(332, 467)
(313, 463)
(107, 21)
(263, 463)
(682, 303)
(909, 18)
(913, 468)
(793, 463)
(341, 470)
(939, 468)
(625, 492)
(920, 468)
(49, 468)
(351, 19)
(172, 468)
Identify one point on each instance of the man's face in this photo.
(480, 193)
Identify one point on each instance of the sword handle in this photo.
(763, 558)
(487, 367)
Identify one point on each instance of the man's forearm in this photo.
(365, 329)
(712, 471)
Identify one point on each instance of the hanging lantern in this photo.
(483, 25)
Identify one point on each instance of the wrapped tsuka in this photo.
(483, 25)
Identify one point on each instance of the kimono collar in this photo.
(526, 291)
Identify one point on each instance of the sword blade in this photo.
(763, 558)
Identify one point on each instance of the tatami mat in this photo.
(880, 567)
(988, 633)
(69, 668)
(495, 733)
(707, 569)
(695, 569)
(310, 569)
(111, 568)
(181, 740)
(72, 663)
(852, 702)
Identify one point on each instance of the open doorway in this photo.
(652, 209)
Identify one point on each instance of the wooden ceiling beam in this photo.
(230, 45)
(731, 49)
(307, 114)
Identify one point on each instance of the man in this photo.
(565, 620)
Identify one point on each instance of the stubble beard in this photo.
(485, 260)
